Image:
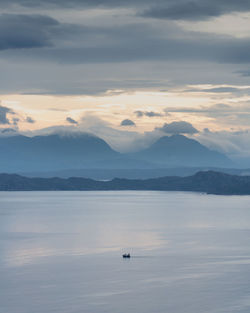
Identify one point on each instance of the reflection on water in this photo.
(61, 252)
(30, 251)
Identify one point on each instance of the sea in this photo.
(61, 252)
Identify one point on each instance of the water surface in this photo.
(61, 252)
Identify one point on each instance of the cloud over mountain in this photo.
(180, 127)
(127, 122)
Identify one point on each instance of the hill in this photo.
(133, 173)
(208, 182)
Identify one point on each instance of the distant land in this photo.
(209, 182)
(21, 154)
(139, 173)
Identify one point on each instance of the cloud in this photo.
(180, 127)
(244, 73)
(168, 9)
(235, 144)
(60, 44)
(195, 10)
(28, 31)
(30, 120)
(127, 122)
(225, 89)
(184, 11)
(110, 37)
(230, 115)
(19, 31)
(139, 113)
(4, 111)
(216, 108)
(14, 119)
(76, 4)
(71, 120)
(123, 140)
(79, 43)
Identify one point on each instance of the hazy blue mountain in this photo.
(85, 151)
(20, 153)
(208, 182)
(178, 150)
(55, 152)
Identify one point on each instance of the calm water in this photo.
(61, 252)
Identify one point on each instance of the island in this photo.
(209, 182)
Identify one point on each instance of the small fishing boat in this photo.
(126, 255)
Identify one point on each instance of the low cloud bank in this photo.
(234, 144)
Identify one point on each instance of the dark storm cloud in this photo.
(39, 31)
(4, 111)
(180, 127)
(25, 31)
(127, 122)
(122, 49)
(19, 31)
(71, 120)
(163, 9)
(77, 3)
(35, 41)
(76, 44)
(147, 113)
(62, 3)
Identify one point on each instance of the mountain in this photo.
(84, 151)
(208, 182)
(21, 153)
(178, 150)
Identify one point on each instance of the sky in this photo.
(128, 71)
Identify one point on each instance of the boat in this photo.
(126, 255)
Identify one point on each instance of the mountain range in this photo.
(84, 151)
